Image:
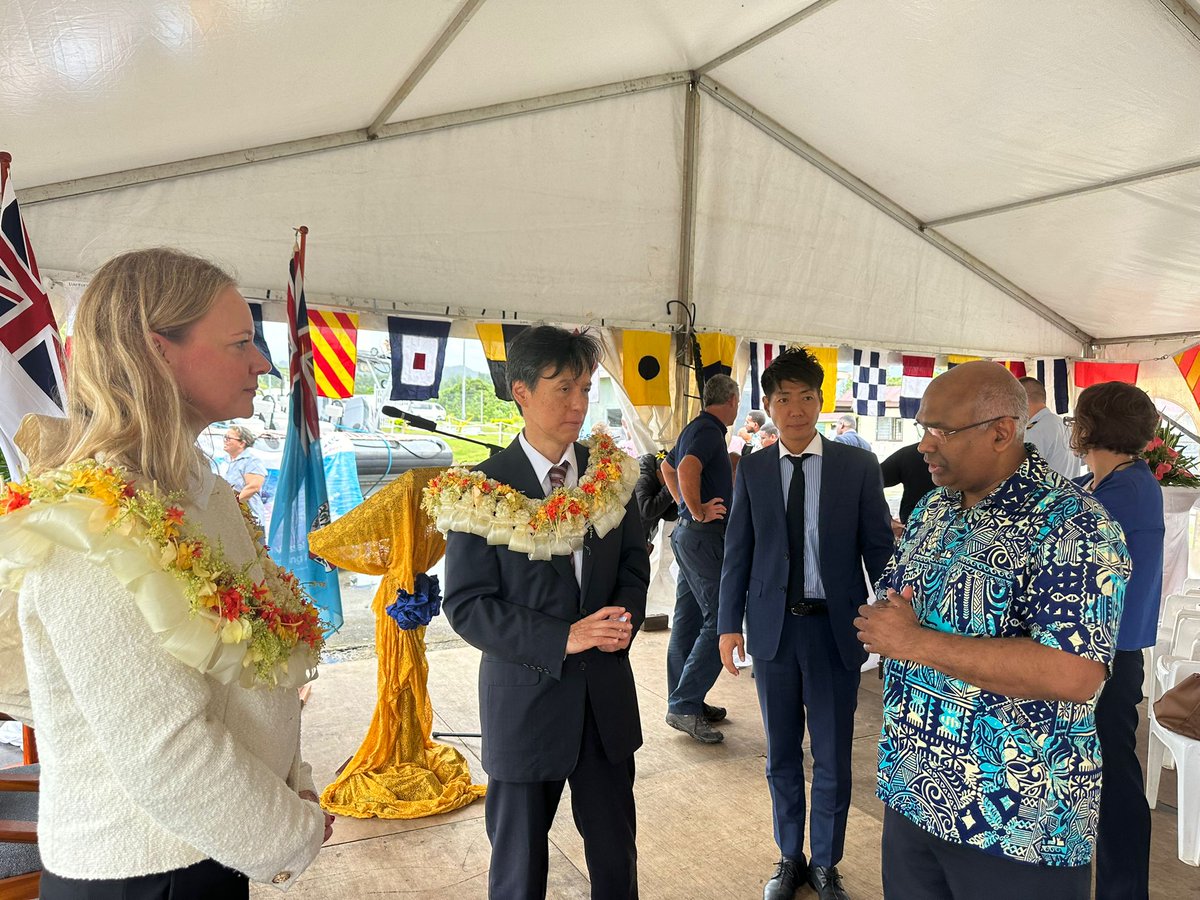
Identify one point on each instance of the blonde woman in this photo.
(162, 646)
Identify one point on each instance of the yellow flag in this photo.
(716, 353)
(645, 361)
(827, 357)
(335, 351)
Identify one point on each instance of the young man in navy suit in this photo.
(808, 515)
(556, 694)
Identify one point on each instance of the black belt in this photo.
(716, 525)
(808, 608)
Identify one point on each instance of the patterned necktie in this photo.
(558, 474)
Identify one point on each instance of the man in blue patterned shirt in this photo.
(998, 617)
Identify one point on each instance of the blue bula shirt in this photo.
(1015, 778)
(1133, 497)
(704, 438)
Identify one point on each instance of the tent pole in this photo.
(443, 41)
(161, 172)
(765, 35)
(1082, 191)
(887, 206)
(687, 205)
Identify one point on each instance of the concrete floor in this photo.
(704, 818)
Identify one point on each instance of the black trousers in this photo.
(207, 880)
(519, 814)
(919, 866)
(1123, 841)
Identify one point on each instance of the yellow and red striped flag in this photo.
(1189, 365)
(335, 351)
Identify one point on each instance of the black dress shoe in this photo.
(789, 875)
(714, 713)
(827, 882)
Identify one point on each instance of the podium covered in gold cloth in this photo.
(399, 772)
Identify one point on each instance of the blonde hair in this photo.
(122, 398)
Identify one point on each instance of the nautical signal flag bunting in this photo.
(1189, 366)
(335, 351)
(495, 337)
(645, 359)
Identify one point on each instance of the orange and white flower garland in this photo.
(211, 615)
(467, 501)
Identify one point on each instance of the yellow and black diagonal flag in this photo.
(645, 360)
(495, 338)
(716, 353)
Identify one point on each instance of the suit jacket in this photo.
(855, 531)
(519, 612)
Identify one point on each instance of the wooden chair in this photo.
(20, 863)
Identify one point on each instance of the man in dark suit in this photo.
(556, 694)
(808, 514)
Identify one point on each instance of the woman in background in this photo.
(246, 472)
(1113, 424)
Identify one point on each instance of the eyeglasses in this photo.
(230, 437)
(944, 434)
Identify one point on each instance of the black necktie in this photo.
(795, 530)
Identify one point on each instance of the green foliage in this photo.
(480, 396)
(5, 475)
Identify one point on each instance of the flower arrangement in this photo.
(1168, 463)
(467, 501)
(271, 618)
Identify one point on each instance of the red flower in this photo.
(174, 515)
(1154, 444)
(233, 605)
(1161, 469)
(589, 489)
(485, 487)
(14, 498)
(601, 475)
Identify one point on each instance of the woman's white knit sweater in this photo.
(147, 765)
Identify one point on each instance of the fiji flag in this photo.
(418, 357)
(301, 502)
(31, 360)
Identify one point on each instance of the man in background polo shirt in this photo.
(700, 478)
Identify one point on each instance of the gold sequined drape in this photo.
(398, 772)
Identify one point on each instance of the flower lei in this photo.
(467, 501)
(272, 619)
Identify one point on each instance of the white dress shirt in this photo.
(1047, 432)
(814, 588)
(541, 468)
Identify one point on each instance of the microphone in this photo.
(395, 412)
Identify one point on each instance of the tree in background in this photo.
(480, 396)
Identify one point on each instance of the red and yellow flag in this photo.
(335, 351)
(1189, 366)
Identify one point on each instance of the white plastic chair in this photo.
(1191, 584)
(1186, 753)
(1184, 645)
(1172, 606)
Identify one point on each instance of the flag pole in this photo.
(303, 229)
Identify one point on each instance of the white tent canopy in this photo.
(1017, 178)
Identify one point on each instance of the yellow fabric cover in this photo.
(398, 772)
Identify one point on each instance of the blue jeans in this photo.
(693, 660)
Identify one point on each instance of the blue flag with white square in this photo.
(418, 357)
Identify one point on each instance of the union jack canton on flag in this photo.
(31, 357)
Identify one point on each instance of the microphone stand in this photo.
(419, 422)
(423, 424)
